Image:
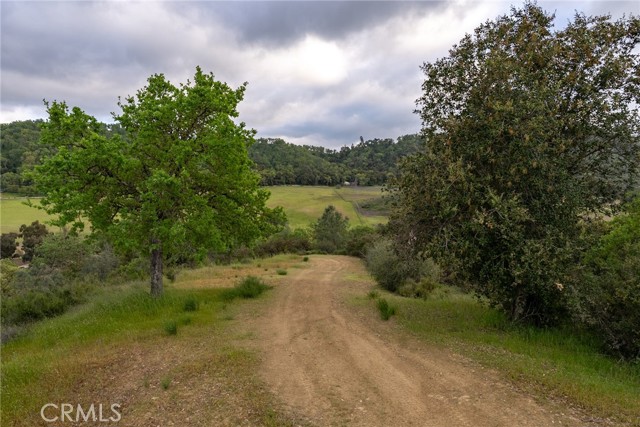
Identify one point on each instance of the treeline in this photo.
(369, 162)
(20, 150)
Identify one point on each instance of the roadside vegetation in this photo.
(561, 364)
(177, 350)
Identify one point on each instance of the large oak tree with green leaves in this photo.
(178, 184)
(529, 132)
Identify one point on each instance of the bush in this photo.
(32, 236)
(392, 272)
(67, 255)
(8, 244)
(330, 231)
(287, 241)
(7, 271)
(281, 272)
(249, 287)
(607, 292)
(38, 303)
(60, 275)
(359, 240)
(417, 288)
(385, 266)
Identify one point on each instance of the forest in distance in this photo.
(367, 163)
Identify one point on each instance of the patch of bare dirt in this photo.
(335, 367)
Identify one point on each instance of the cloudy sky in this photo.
(320, 73)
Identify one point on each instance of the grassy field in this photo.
(302, 204)
(305, 205)
(161, 360)
(554, 364)
(14, 213)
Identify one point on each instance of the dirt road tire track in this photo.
(337, 368)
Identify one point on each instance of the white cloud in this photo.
(311, 61)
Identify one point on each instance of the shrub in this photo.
(68, 255)
(34, 303)
(7, 271)
(8, 244)
(249, 287)
(56, 279)
(373, 294)
(386, 310)
(385, 266)
(101, 263)
(32, 236)
(417, 288)
(286, 241)
(330, 231)
(305, 259)
(392, 271)
(281, 272)
(359, 240)
(607, 292)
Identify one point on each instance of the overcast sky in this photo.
(320, 73)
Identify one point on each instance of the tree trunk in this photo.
(156, 269)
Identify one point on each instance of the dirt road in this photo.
(336, 367)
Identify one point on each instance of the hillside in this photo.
(370, 162)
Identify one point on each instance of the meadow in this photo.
(305, 204)
(302, 204)
(14, 213)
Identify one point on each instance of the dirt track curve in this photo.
(335, 367)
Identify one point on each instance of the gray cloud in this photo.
(318, 72)
(275, 23)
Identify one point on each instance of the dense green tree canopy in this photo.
(178, 183)
(528, 130)
(330, 231)
(370, 162)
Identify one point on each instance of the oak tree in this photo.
(529, 131)
(177, 183)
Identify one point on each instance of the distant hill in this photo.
(279, 162)
(367, 163)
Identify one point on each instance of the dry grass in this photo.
(115, 350)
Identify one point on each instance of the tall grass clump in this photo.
(171, 327)
(386, 310)
(249, 287)
(191, 304)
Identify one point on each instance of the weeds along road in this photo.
(334, 366)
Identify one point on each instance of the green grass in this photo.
(14, 213)
(305, 204)
(73, 357)
(559, 363)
